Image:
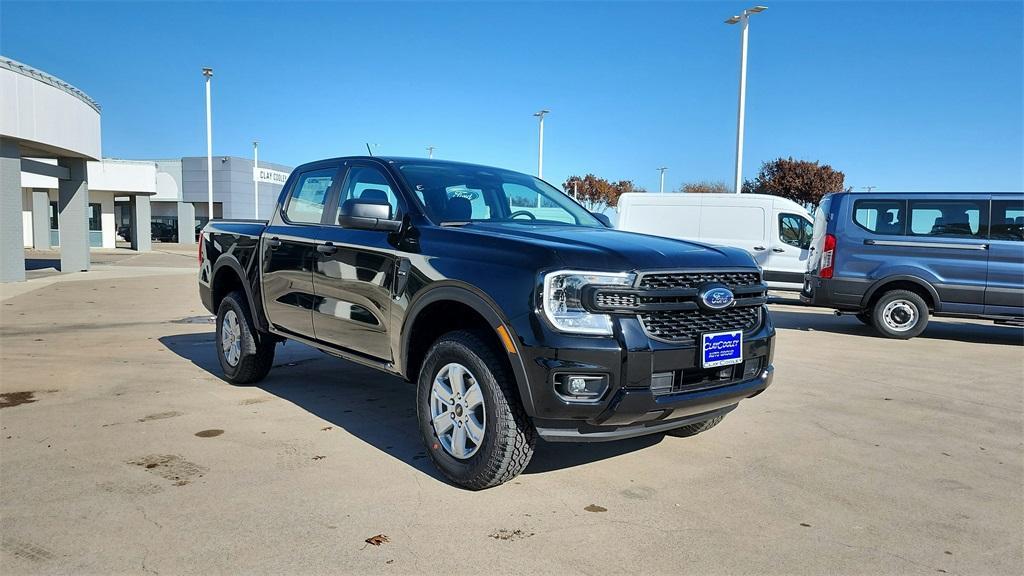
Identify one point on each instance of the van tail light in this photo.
(200, 247)
(828, 257)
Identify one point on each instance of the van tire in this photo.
(508, 438)
(866, 317)
(255, 352)
(900, 314)
(694, 429)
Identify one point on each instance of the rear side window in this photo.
(949, 218)
(881, 216)
(1007, 220)
(309, 195)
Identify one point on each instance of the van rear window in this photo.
(881, 216)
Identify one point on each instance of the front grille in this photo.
(615, 300)
(686, 325)
(673, 280)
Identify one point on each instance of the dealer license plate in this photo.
(721, 349)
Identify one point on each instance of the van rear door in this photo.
(1004, 290)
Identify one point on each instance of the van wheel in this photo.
(475, 428)
(900, 314)
(245, 356)
(694, 429)
(866, 318)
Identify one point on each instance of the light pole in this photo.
(743, 19)
(255, 180)
(430, 151)
(540, 147)
(662, 170)
(870, 188)
(208, 73)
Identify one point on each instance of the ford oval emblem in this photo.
(717, 297)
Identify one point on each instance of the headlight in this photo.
(563, 300)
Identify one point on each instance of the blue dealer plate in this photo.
(721, 349)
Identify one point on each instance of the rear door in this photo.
(355, 269)
(1004, 290)
(289, 251)
(788, 249)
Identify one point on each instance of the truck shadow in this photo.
(376, 408)
(822, 320)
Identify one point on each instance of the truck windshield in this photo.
(464, 193)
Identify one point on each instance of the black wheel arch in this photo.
(482, 305)
(228, 275)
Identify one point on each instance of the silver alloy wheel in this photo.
(231, 337)
(457, 410)
(900, 315)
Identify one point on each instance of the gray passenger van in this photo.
(894, 259)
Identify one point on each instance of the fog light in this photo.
(751, 367)
(581, 387)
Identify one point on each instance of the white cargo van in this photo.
(776, 231)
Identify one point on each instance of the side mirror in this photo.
(367, 214)
(603, 218)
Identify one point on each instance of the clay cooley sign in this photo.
(269, 176)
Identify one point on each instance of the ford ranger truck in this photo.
(514, 311)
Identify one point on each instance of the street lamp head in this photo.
(757, 9)
(733, 20)
(208, 72)
(541, 113)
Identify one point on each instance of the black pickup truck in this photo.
(515, 311)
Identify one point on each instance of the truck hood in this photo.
(605, 249)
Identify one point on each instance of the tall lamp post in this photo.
(430, 151)
(255, 180)
(744, 20)
(662, 170)
(540, 147)
(208, 73)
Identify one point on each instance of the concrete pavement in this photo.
(122, 451)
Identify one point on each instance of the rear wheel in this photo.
(900, 314)
(694, 429)
(469, 413)
(245, 355)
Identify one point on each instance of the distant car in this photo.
(775, 231)
(894, 259)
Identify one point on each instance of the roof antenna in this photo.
(368, 149)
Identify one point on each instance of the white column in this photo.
(12, 240)
(41, 219)
(73, 218)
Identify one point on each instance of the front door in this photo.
(788, 250)
(355, 270)
(1004, 291)
(289, 252)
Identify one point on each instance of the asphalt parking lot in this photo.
(122, 451)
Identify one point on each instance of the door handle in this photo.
(274, 243)
(779, 250)
(327, 249)
(759, 248)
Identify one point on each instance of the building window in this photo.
(95, 218)
(53, 216)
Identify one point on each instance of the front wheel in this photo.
(469, 413)
(900, 314)
(694, 429)
(245, 355)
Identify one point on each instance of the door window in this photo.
(54, 215)
(948, 218)
(309, 195)
(881, 216)
(95, 223)
(368, 182)
(1007, 220)
(795, 230)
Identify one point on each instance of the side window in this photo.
(1007, 220)
(370, 183)
(881, 216)
(309, 195)
(795, 230)
(948, 218)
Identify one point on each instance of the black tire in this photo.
(508, 436)
(901, 300)
(866, 318)
(694, 429)
(256, 355)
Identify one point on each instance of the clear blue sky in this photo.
(899, 95)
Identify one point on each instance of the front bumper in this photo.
(629, 360)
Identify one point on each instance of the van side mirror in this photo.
(603, 218)
(367, 214)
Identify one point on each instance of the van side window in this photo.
(881, 216)
(309, 195)
(1007, 220)
(795, 230)
(949, 218)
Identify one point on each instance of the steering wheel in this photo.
(524, 213)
